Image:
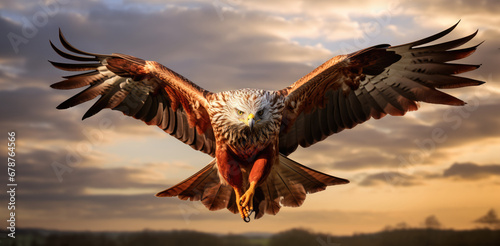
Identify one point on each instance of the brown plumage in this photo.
(251, 132)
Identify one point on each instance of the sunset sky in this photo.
(400, 170)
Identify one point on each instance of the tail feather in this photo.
(287, 185)
(292, 192)
(204, 186)
(312, 180)
(217, 197)
(231, 206)
(271, 198)
(193, 187)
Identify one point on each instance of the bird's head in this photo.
(250, 110)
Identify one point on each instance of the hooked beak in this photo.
(250, 121)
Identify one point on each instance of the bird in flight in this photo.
(250, 132)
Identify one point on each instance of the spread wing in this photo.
(371, 83)
(145, 90)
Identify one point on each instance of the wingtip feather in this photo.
(427, 39)
(62, 106)
(162, 194)
(87, 115)
(70, 47)
(54, 86)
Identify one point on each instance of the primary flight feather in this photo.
(250, 132)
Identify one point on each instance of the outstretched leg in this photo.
(246, 201)
(230, 170)
(244, 212)
(260, 170)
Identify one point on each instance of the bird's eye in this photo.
(240, 112)
(260, 113)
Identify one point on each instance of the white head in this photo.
(247, 112)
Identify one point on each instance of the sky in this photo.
(102, 173)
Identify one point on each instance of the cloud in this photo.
(89, 192)
(472, 171)
(486, 7)
(457, 171)
(390, 178)
(107, 207)
(39, 175)
(32, 113)
(363, 159)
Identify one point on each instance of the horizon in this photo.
(290, 237)
(256, 233)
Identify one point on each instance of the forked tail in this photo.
(287, 185)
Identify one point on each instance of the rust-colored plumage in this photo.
(251, 132)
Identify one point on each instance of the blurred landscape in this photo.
(387, 237)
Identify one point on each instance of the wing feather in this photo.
(88, 94)
(317, 131)
(78, 82)
(428, 39)
(330, 117)
(70, 47)
(440, 68)
(359, 113)
(70, 56)
(150, 117)
(446, 45)
(76, 66)
(392, 105)
(350, 115)
(438, 56)
(142, 89)
(371, 83)
(143, 109)
(103, 102)
(323, 121)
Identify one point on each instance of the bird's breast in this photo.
(248, 146)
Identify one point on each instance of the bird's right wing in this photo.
(145, 90)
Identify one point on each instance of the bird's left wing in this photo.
(145, 90)
(350, 89)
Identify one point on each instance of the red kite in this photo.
(250, 132)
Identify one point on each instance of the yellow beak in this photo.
(250, 121)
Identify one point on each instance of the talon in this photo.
(247, 213)
(246, 200)
(246, 219)
(238, 204)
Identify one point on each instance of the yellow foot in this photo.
(238, 204)
(246, 202)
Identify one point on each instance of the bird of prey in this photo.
(250, 132)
